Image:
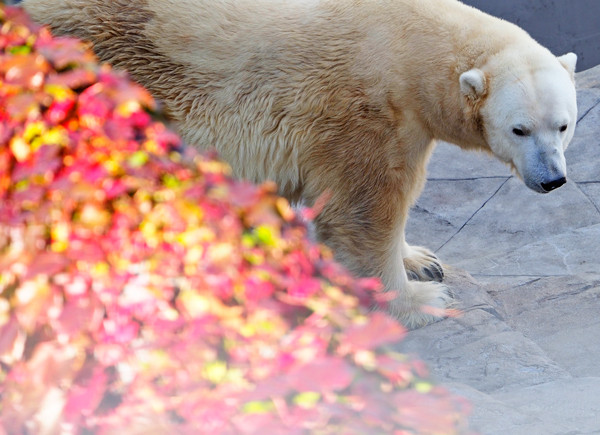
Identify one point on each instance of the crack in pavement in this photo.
(589, 198)
(536, 277)
(491, 177)
(473, 215)
(588, 111)
(561, 252)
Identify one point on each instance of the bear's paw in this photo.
(422, 265)
(421, 303)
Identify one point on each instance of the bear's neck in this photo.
(447, 115)
(444, 38)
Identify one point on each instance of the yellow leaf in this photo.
(126, 108)
(266, 235)
(59, 92)
(56, 136)
(221, 252)
(215, 371)
(4, 311)
(20, 149)
(100, 269)
(257, 407)
(34, 129)
(194, 255)
(423, 387)
(94, 216)
(194, 303)
(60, 236)
(284, 209)
(307, 399)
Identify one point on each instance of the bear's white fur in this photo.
(343, 97)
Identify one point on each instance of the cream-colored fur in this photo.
(340, 96)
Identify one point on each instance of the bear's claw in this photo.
(422, 265)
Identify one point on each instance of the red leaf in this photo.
(58, 111)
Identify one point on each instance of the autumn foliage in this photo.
(144, 290)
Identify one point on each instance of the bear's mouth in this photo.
(541, 171)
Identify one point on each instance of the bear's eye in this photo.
(519, 132)
(563, 128)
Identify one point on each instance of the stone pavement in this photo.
(525, 269)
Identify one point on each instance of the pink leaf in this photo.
(79, 314)
(47, 263)
(85, 397)
(257, 289)
(324, 374)
(9, 335)
(304, 288)
(379, 329)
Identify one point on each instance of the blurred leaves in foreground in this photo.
(142, 289)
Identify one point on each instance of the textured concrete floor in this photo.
(560, 25)
(526, 271)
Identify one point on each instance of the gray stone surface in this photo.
(565, 254)
(516, 216)
(571, 406)
(526, 276)
(560, 25)
(499, 417)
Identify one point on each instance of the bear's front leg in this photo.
(365, 229)
(421, 264)
(417, 303)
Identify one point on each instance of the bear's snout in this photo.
(555, 184)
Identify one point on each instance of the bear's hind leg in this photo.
(421, 264)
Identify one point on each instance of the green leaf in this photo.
(264, 234)
(171, 181)
(21, 185)
(138, 159)
(20, 49)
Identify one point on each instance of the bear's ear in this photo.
(473, 83)
(568, 61)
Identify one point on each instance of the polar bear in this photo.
(344, 98)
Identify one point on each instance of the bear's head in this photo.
(527, 109)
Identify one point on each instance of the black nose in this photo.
(554, 184)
